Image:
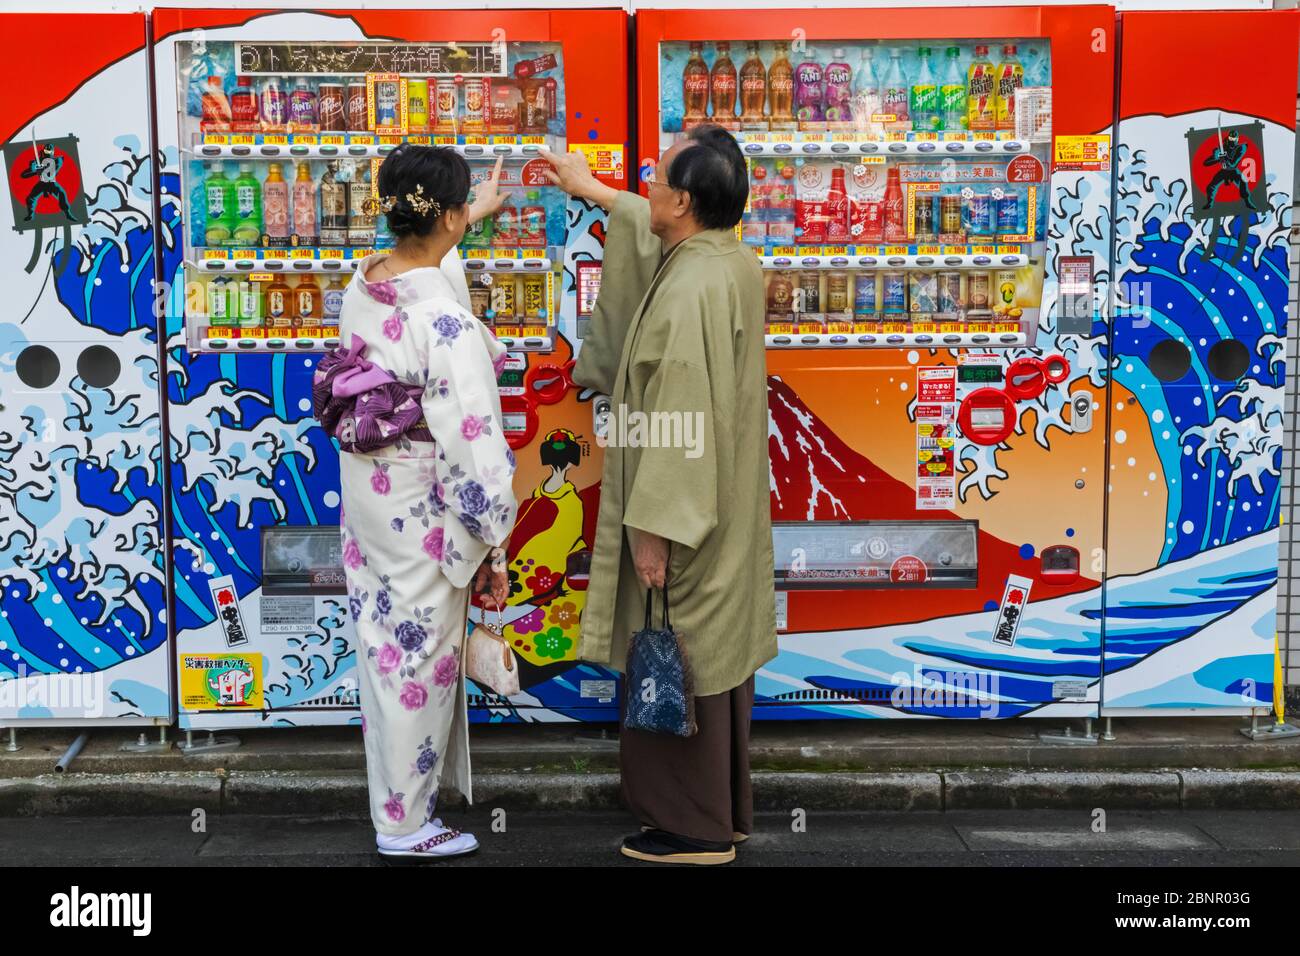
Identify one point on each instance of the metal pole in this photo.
(70, 754)
(13, 747)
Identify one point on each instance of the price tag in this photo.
(927, 327)
(982, 135)
(534, 253)
(895, 251)
(533, 331)
(814, 137)
(275, 253)
(929, 250)
(359, 253)
(245, 253)
(783, 137)
(810, 328)
(331, 253)
(243, 139)
(1008, 250)
(260, 277)
(896, 136)
(1006, 327)
(332, 139)
(361, 139)
(926, 136)
(843, 137)
(834, 250)
(954, 250)
(949, 327)
(251, 333)
(419, 139)
(216, 139)
(444, 141)
(478, 140)
(866, 328)
(216, 254)
(275, 139)
(983, 327)
(533, 140)
(984, 250)
(478, 253)
(303, 254)
(508, 332)
(390, 139)
(306, 139)
(840, 327)
(780, 328)
(896, 327)
(785, 251)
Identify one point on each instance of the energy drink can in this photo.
(924, 218)
(950, 214)
(979, 214)
(837, 292)
(358, 107)
(478, 102)
(949, 293)
(810, 285)
(535, 296)
(894, 291)
(923, 291)
(445, 100)
(864, 293)
(417, 104)
(977, 291)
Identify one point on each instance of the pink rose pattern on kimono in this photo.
(444, 502)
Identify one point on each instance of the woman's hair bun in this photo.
(414, 178)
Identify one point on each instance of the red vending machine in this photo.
(930, 197)
(272, 126)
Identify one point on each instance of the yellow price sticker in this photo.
(331, 253)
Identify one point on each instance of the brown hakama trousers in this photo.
(696, 786)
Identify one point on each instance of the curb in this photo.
(343, 793)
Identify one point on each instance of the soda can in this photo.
(1007, 213)
(535, 296)
(864, 293)
(923, 291)
(979, 214)
(444, 105)
(949, 293)
(1005, 283)
(358, 108)
(417, 103)
(837, 292)
(924, 216)
(332, 103)
(810, 284)
(386, 107)
(977, 291)
(894, 291)
(950, 214)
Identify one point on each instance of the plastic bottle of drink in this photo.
(695, 86)
(275, 206)
(532, 221)
(361, 217)
(333, 222)
(220, 311)
(895, 221)
(924, 104)
(332, 302)
(243, 105)
(220, 201)
(866, 96)
(839, 91)
(248, 207)
(304, 206)
(278, 308)
(895, 94)
(505, 225)
(809, 91)
(307, 305)
(722, 86)
(302, 105)
(275, 104)
(198, 212)
(952, 92)
(250, 304)
(981, 111)
(780, 87)
(478, 235)
(753, 89)
(1010, 79)
(837, 208)
(215, 106)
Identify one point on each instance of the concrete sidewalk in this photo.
(847, 765)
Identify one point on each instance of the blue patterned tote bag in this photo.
(660, 692)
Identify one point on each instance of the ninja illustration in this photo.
(46, 168)
(1229, 156)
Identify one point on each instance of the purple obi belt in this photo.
(362, 405)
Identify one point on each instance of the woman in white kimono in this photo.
(426, 485)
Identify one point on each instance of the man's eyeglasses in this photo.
(654, 180)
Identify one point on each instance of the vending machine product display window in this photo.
(282, 143)
(897, 187)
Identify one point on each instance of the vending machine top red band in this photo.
(272, 128)
(930, 194)
(83, 625)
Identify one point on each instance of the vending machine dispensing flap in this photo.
(518, 420)
(302, 560)
(987, 416)
(1060, 564)
(832, 555)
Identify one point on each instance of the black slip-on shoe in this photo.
(659, 846)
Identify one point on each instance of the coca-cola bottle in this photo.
(895, 221)
(837, 208)
(695, 87)
(780, 87)
(722, 86)
(753, 90)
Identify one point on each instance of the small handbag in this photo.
(660, 691)
(489, 661)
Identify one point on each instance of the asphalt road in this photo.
(1005, 838)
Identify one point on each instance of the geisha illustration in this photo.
(549, 566)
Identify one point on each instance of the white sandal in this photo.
(447, 842)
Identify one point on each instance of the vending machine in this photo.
(272, 127)
(1205, 173)
(931, 203)
(83, 624)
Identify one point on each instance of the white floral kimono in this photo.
(418, 518)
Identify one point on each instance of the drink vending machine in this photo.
(273, 126)
(931, 199)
